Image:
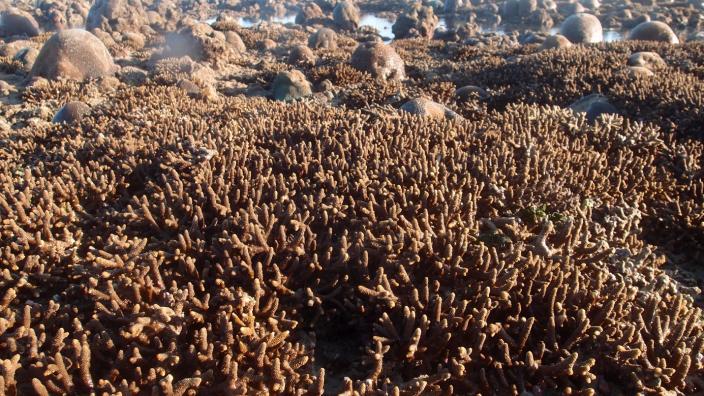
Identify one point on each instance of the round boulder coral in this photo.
(654, 31)
(591, 4)
(647, 59)
(267, 44)
(427, 108)
(134, 40)
(309, 13)
(379, 60)
(116, 15)
(467, 92)
(323, 38)
(73, 54)
(71, 112)
(541, 20)
(582, 28)
(54, 16)
(12, 48)
(526, 7)
(301, 55)
(27, 57)
(199, 41)
(417, 23)
(571, 8)
(632, 22)
(165, 14)
(593, 105)
(638, 71)
(346, 15)
(557, 41)
(509, 11)
(290, 85)
(15, 22)
(235, 41)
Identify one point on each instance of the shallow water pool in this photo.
(248, 22)
(382, 25)
(610, 35)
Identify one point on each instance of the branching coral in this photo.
(173, 246)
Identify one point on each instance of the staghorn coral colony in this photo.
(257, 197)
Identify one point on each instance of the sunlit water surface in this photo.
(610, 35)
(384, 26)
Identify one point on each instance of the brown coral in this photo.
(174, 255)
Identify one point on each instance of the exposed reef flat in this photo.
(314, 207)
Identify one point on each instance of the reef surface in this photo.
(264, 197)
